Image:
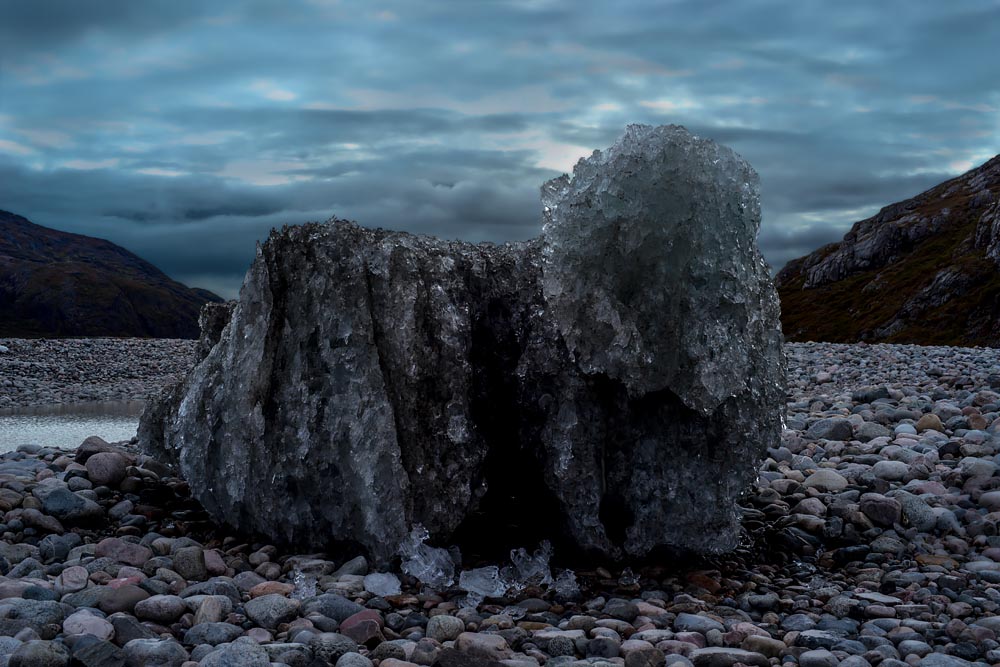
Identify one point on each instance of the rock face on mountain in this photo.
(924, 270)
(612, 383)
(55, 284)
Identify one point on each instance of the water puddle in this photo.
(68, 425)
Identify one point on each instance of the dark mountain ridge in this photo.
(58, 284)
(925, 270)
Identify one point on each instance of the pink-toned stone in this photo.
(124, 581)
(71, 580)
(106, 468)
(363, 627)
(695, 638)
(214, 563)
(260, 635)
(123, 552)
(646, 609)
(750, 629)
(675, 647)
(85, 623)
(633, 645)
(14, 589)
(271, 588)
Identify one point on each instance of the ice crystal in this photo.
(565, 584)
(482, 583)
(305, 586)
(533, 568)
(429, 565)
(382, 584)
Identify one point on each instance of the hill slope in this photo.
(55, 284)
(925, 270)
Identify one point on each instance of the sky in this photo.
(185, 130)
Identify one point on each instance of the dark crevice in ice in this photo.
(518, 509)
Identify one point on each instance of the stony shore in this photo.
(872, 538)
(48, 371)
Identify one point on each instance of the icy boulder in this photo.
(611, 384)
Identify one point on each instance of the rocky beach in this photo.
(870, 538)
(47, 371)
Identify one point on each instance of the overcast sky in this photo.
(184, 130)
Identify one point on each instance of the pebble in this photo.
(85, 622)
(444, 628)
(161, 608)
(269, 611)
(53, 371)
(38, 653)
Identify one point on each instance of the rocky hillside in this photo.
(925, 270)
(55, 284)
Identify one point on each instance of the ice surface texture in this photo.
(629, 360)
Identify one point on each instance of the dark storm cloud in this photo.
(186, 130)
(40, 25)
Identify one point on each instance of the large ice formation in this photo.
(619, 377)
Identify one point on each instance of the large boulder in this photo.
(614, 381)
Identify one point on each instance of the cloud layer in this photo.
(185, 130)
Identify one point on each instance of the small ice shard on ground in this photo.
(482, 583)
(565, 585)
(304, 585)
(508, 575)
(429, 565)
(533, 568)
(382, 584)
(628, 578)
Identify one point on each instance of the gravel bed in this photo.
(871, 538)
(49, 371)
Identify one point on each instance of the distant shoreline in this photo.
(64, 371)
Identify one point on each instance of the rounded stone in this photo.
(212, 634)
(645, 657)
(483, 645)
(158, 652)
(561, 645)
(603, 647)
(269, 611)
(123, 551)
(85, 623)
(444, 628)
(106, 468)
(892, 471)
(161, 608)
(39, 653)
(930, 422)
(124, 598)
(330, 646)
(623, 610)
(242, 653)
(881, 510)
(189, 562)
(831, 428)
(826, 480)
(818, 658)
(686, 622)
(71, 580)
(353, 660)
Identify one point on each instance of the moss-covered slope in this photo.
(55, 284)
(921, 271)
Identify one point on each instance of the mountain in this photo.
(925, 270)
(55, 284)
